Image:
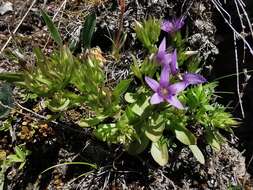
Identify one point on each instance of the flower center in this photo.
(164, 92)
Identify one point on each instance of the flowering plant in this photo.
(129, 114)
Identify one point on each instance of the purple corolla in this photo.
(193, 78)
(173, 25)
(167, 59)
(164, 91)
(162, 56)
(188, 78)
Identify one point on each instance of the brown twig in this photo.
(120, 24)
(17, 27)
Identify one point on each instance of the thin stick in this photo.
(245, 15)
(221, 10)
(38, 116)
(238, 77)
(236, 60)
(17, 27)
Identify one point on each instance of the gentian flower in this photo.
(164, 91)
(173, 63)
(162, 56)
(188, 78)
(193, 78)
(173, 25)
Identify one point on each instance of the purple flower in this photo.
(164, 91)
(167, 59)
(173, 64)
(193, 78)
(162, 56)
(188, 78)
(173, 25)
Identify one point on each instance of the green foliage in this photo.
(123, 114)
(120, 132)
(197, 153)
(5, 125)
(159, 151)
(148, 33)
(7, 161)
(205, 112)
(52, 28)
(51, 74)
(19, 157)
(177, 122)
(118, 43)
(88, 30)
(12, 77)
(6, 100)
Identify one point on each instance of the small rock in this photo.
(6, 7)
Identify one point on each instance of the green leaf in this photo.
(89, 122)
(88, 30)
(6, 100)
(129, 97)
(212, 141)
(138, 146)
(12, 77)
(121, 88)
(197, 153)
(140, 106)
(184, 135)
(6, 125)
(58, 105)
(105, 132)
(154, 132)
(20, 153)
(135, 68)
(14, 158)
(148, 33)
(159, 152)
(52, 28)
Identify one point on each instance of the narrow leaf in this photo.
(70, 163)
(159, 152)
(88, 30)
(154, 133)
(89, 122)
(6, 100)
(12, 77)
(212, 141)
(184, 135)
(121, 88)
(52, 28)
(197, 153)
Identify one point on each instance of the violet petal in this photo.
(164, 78)
(177, 87)
(175, 102)
(156, 99)
(193, 78)
(162, 46)
(174, 65)
(167, 26)
(153, 84)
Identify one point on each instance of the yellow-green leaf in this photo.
(197, 153)
(159, 152)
